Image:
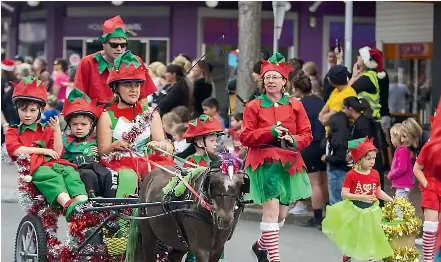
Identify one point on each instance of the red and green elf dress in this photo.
(275, 172)
(50, 176)
(127, 67)
(93, 70)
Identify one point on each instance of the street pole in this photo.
(348, 33)
(279, 9)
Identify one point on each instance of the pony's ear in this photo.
(213, 157)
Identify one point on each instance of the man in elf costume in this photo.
(93, 70)
(427, 171)
(55, 178)
(81, 148)
(202, 133)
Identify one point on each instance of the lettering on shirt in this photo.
(365, 188)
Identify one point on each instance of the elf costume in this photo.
(431, 194)
(275, 172)
(200, 127)
(83, 151)
(93, 70)
(50, 176)
(128, 68)
(355, 226)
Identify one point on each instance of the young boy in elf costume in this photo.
(56, 178)
(427, 172)
(81, 148)
(202, 133)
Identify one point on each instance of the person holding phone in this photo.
(93, 70)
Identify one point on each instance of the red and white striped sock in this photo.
(429, 238)
(347, 259)
(261, 242)
(271, 239)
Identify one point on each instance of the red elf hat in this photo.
(30, 88)
(127, 67)
(363, 148)
(202, 126)
(78, 103)
(276, 63)
(112, 28)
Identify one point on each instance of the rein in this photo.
(178, 174)
(175, 157)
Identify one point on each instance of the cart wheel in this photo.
(30, 241)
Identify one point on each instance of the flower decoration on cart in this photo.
(401, 226)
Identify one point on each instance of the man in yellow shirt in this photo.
(338, 77)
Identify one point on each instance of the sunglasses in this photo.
(115, 45)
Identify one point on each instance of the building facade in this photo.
(163, 30)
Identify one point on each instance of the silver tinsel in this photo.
(142, 122)
(117, 155)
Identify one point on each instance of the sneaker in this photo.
(259, 254)
(299, 209)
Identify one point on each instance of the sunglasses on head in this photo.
(115, 45)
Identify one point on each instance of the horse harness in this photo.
(204, 190)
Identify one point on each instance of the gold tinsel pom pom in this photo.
(405, 254)
(401, 225)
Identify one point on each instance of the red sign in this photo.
(415, 49)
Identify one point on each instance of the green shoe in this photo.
(70, 210)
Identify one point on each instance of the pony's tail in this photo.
(133, 241)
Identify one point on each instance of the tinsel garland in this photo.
(32, 202)
(5, 155)
(142, 121)
(400, 221)
(405, 254)
(116, 155)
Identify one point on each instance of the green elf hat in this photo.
(276, 63)
(354, 143)
(112, 28)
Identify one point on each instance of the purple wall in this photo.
(184, 19)
(311, 39)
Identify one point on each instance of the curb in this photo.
(255, 214)
(9, 195)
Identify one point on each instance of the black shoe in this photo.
(312, 223)
(260, 254)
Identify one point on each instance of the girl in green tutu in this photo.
(275, 127)
(354, 224)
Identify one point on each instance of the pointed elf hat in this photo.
(373, 59)
(127, 67)
(78, 103)
(112, 28)
(360, 147)
(276, 63)
(30, 88)
(8, 65)
(202, 126)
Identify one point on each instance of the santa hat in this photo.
(8, 65)
(363, 147)
(30, 88)
(112, 28)
(373, 59)
(202, 126)
(127, 67)
(276, 63)
(78, 103)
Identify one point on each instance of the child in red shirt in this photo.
(56, 178)
(354, 224)
(427, 172)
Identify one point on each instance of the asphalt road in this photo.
(296, 243)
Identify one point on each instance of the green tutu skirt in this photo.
(272, 180)
(357, 232)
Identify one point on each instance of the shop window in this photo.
(158, 51)
(73, 46)
(93, 46)
(32, 37)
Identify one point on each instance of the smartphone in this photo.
(337, 44)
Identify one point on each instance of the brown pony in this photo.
(204, 231)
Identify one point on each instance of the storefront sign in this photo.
(99, 27)
(408, 51)
(74, 59)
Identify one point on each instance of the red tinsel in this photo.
(226, 163)
(141, 124)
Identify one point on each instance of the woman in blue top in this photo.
(313, 153)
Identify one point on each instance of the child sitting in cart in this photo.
(56, 178)
(203, 134)
(81, 148)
